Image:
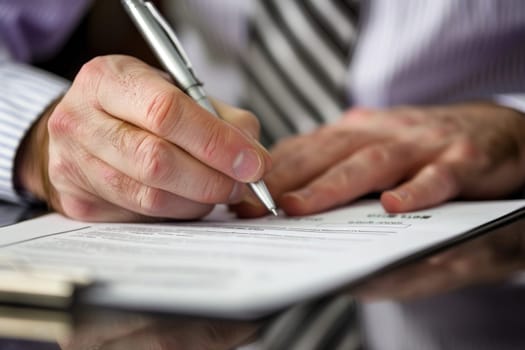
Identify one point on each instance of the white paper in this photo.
(238, 268)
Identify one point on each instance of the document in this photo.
(242, 269)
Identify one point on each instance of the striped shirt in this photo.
(24, 94)
(29, 31)
(408, 52)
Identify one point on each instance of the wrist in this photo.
(31, 174)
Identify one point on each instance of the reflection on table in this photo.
(88, 329)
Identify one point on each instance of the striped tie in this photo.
(296, 63)
(296, 72)
(329, 323)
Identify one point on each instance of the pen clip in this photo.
(169, 32)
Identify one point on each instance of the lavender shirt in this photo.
(405, 54)
(29, 30)
(34, 29)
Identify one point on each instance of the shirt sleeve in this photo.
(25, 92)
(29, 30)
(515, 101)
(34, 30)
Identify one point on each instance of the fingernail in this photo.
(247, 164)
(400, 195)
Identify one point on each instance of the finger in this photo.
(242, 119)
(297, 160)
(131, 90)
(123, 191)
(461, 168)
(371, 169)
(70, 199)
(434, 184)
(293, 167)
(93, 209)
(438, 181)
(79, 194)
(153, 161)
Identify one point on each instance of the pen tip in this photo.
(274, 212)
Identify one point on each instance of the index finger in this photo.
(132, 91)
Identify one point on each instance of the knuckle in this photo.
(149, 200)
(154, 159)
(118, 136)
(117, 182)
(467, 149)
(93, 67)
(90, 75)
(215, 141)
(80, 209)
(162, 112)
(61, 122)
(377, 155)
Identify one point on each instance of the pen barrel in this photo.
(261, 191)
(168, 50)
(161, 43)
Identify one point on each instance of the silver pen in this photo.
(166, 46)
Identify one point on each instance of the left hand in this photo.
(417, 157)
(493, 257)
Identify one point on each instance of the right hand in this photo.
(125, 144)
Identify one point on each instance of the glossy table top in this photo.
(28, 329)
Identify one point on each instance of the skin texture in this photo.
(415, 157)
(125, 144)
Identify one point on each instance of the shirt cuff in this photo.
(514, 101)
(25, 93)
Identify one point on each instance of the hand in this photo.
(493, 257)
(416, 156)
(137, 333)
(125, 144)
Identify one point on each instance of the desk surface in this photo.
(89, 329)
